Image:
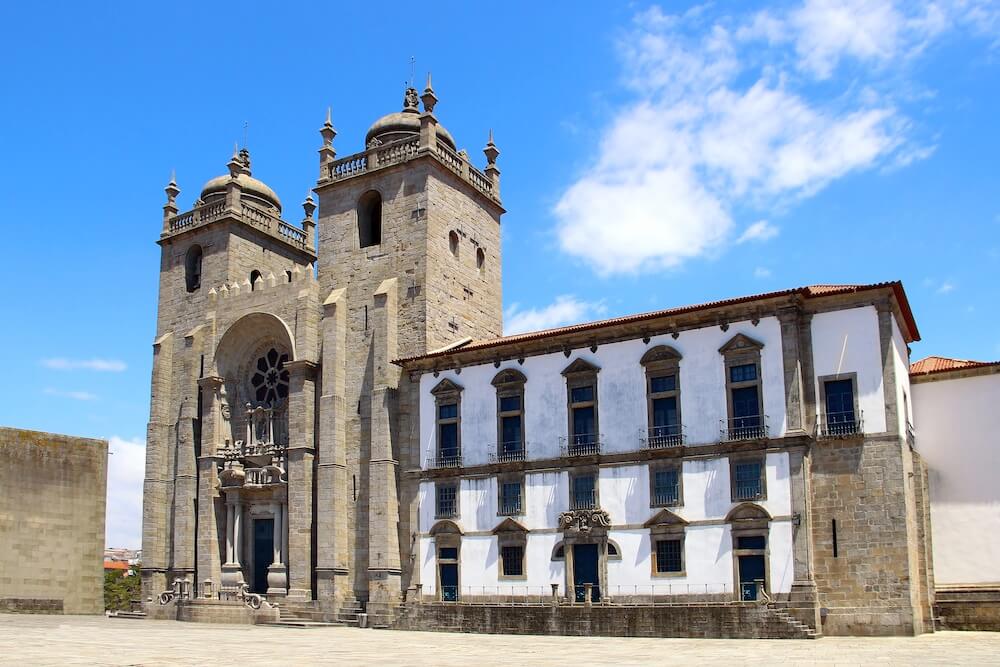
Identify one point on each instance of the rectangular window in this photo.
(748, 480)
(583, 426)
(584, 496)
(448, 553)
(513, 560)
(757, 542)
(668, 556)
(449, 411)
(840, 416)
(666, 487)
(665, 414)
(510, 498)
(449, 450)
(743, 373)
(510, 428)
(582, 394)
(663, 383)
(510, 403)
(446, 501)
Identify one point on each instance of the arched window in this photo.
(254, 277)
(370, 219)
(192, 268)
(453, 242)
(480, 260)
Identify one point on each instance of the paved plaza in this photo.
(89, 640)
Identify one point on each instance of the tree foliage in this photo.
(120, 590)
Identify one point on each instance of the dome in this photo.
(403, 124)
(253, 189)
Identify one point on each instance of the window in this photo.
(840, 414)
(370, 219)
(662, 364)
(192, 268)
(453, 243)
(669, 556)
(748, 480)
(581, 388)
(270, 378)
(288, 276)
(447, 396)
(666, 486)
(481, 260)
(446, 501)
(743, 391)
(512, 559)
(510, 416)
(583, 492)
(254, 277)
(448, 553)
(751, 542)
(510, 497)
(559, 552)
(613, 551)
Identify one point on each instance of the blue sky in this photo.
(652, 156)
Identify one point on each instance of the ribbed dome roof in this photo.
(403, 124)
(253, 188)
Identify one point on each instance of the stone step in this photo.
(301, 623)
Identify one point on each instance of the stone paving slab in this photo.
(90, 640)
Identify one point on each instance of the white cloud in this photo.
(75, 395)
(761, 272)
(724, 116)
(945, 287)
(761, 230)
(566, 309)
(107, 365)
(126, 468)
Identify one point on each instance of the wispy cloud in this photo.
(762, 272)
(945, 287)
(126, 467)
(761, 230)
(726, 114)
(104, 365)
(566, 309)
(75, 395)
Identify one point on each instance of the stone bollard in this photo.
(555, 595)
(587, 590)
(420, 593)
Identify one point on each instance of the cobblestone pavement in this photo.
(88, 640)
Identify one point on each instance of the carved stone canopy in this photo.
(741, 343)
(579, 367)
(665, 519)
(748, 516)
(509, 376)
(660, 353)
(584, 521)
(508, 526)
(446, 386)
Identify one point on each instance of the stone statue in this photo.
(411, 100)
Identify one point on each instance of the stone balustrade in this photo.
(397, 152)
(252, 215)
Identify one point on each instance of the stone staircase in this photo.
(300, 615)
(797, 629)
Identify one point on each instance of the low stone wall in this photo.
(211, 611)
(741, 621)
(972, 608)
(31, 605)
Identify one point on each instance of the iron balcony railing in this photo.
(581, 444)
(748, 490)
(446, 511)
(510, 507)
(509, 452)
(841, 424)
(583, 500)
(751, 427)
(446, 459)
(662, 437)
(668, 496)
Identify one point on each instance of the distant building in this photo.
(52, 502)
(342, 426)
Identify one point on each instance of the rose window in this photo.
(270, 379)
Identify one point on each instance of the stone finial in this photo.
(309, 206)
(172, 190)
(235, 165)
(245, 159)
(327, 131)
(491, 150)
(429, 98)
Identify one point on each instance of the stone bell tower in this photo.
(409, 248)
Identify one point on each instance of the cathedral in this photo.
(340, 432)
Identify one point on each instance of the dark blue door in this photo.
(449, 582)
(263, 552)
(751, 571)
(585, 571)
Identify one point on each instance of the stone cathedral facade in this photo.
(315, 448)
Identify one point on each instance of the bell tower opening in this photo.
(370, 219)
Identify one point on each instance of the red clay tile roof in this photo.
(810, 291)
(116, 565)
(944, 364)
